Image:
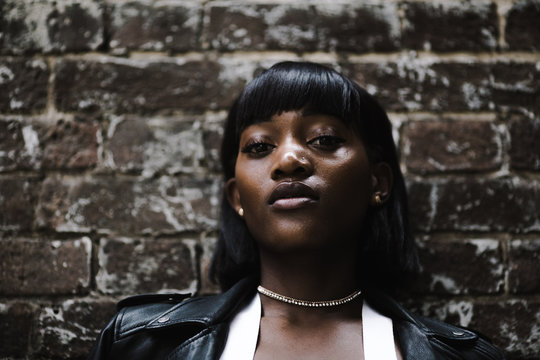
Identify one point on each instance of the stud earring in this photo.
(377, 199)
(241, 212)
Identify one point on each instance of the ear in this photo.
(382, 180)
(231, 190)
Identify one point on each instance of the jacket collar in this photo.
(414, 333)
(389, 307)
(207, 310)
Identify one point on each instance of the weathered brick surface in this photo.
(16, 149)
(69, 329)
(516, 86)
(38, 144)
(522, 31)
(42, 267)
(412, 84)
(476, 205)
(18, 198)
(141, 86)
(450, 25)
(524, 265)
(23, 85)
(423, 83)
(70, 145)
(461, 145)
(212, 134)
(138, 26)
(155, 145)
(524, 145)
(107, 204)
(17, 321)
(303, 27)
(485, 277)
(261, 27)
(358, 26)
(131, 266)
(50, 26)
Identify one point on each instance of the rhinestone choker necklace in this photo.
(290, 300)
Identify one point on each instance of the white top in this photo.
(377, 331)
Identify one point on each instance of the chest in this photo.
(335, 340)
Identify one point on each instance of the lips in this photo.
(292, 195)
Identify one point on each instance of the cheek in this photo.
(352, 183)
(249, 185)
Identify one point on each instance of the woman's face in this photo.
(304, 181)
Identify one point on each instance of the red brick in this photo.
(18, 199)
(14, 150)
(155, 145)
(450, 26)
(442, 146)
(524, 266)
(76, 27)
(516, 86)
(37, 144)
(127, 205)
(23, 85)
(63, 26)
(522, 31)
(460, 266)
(294, 27)
(40, 267)
(138, 26)
(141, 86)
(418, 84)
(16, 325)
(422, 196)
(129, 266)
(524, 145)
(358, 27)
(507, 204)
(68, 330)
(261, 27)
(425, 84)
(212, 135)
(70, 145)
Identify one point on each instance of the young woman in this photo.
(314, 238)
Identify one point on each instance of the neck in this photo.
(318, 276)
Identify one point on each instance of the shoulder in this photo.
(451, 339)
(157, 323)
(419, 335)
(136, 312)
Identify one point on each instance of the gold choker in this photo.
(290, 300)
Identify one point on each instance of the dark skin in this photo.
(307, 239)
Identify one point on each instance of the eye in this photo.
(257, 148)
(328, 142)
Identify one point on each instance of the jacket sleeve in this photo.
(102, 347)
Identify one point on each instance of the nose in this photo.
(291, 161)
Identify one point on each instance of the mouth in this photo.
(292, 195)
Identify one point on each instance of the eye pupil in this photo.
(260, 147)
(256, 148)
(327, 141)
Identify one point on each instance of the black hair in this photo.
(388, 256)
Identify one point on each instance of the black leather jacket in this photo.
(173, 327)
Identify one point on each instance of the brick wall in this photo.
(110, 120)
